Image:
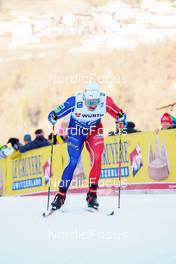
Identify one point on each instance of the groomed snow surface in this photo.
(142, 231)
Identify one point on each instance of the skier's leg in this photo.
(95, 147)
(75, 145)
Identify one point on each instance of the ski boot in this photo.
(92, 197)
(58, 201)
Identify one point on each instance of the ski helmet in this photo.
(92, 93)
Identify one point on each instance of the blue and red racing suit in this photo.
(84, 127)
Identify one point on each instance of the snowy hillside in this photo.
(33, 25)
(142, 231)
(128, 46)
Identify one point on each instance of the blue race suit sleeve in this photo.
(64, 109)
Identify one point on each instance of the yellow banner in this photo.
(2, 176)
(147, 161)
(29, 173)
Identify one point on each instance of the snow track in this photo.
(142, 231)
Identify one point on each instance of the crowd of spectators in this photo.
(38, 142)
(167, 121)
(14, 144)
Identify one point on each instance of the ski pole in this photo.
(119, 167)
(51, 163)
(165, 106)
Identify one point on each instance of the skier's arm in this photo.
(62, 110)
(113, 109)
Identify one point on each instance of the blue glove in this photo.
(121, 118)
(52, 118)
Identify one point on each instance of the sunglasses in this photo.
(93, 102)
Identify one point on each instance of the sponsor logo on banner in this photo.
(25, 184)
(111, 158)
(158, 161)
(24, 168)
(29, 166)
(47, 171)
(136, 160)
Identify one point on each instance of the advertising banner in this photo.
(147, 161)
(2, 175)
(30, 172)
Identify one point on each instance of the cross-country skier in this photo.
(86, 111)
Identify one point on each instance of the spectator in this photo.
(5, 151)
(27, 138)
(15, 143)
(61, 139)
(167, 122)
(38, 142)
(50, 139)
(173, 121)
(58, 139)
(128, 129)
